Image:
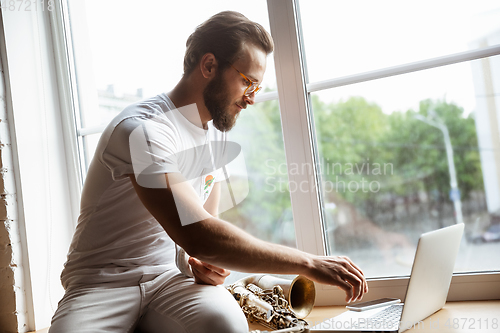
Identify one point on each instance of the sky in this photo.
(141, 44)
(348, 37)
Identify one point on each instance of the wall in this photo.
(12, 309)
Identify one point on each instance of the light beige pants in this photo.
(170, 303)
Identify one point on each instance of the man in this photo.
(145, 192)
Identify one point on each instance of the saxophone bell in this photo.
(290, 300)
(300, 292)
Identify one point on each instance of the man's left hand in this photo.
(207, 274)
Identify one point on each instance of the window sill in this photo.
(472, 313)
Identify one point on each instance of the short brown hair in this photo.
(223, 35)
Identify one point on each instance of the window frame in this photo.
(293, 93)
(300, 147)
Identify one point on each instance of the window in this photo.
(133, 62)
(360, 36)
(329, 71)
(118, 63)
(266, 211)
(367, 166)
(404, 154)
(386, 173)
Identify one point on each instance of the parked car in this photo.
(491, 234)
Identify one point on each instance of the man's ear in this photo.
(208, 65)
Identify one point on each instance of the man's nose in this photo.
(250, 99)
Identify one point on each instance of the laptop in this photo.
(426, 292)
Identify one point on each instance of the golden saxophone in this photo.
(276, 303)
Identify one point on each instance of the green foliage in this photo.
(420, 154)
(266, 208)
(358, 144)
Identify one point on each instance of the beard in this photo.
(217, 102)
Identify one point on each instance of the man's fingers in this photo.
(353, 269)
(354, 265)
(195, 262)
(221, 271)
(205, 274)
(342, 272)
(201, 278)
(198, 266)
(356, 277)
(347, 287)
(354, 282)
(357, 286)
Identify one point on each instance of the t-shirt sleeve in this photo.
(140, 146)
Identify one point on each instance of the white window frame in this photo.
(44, 65)
(299, 141)
(45, 154)
(299, 135)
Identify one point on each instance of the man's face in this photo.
(224, 94)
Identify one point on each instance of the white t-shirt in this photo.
(117, 240)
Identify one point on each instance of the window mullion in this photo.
(404, 68)
(67, 85)
(297, 134)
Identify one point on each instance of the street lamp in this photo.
(455, 192)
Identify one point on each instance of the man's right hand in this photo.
(342, 272)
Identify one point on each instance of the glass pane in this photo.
(266, 212)
(386, 175)
(124, 63)
(128, 50)
(348, 37)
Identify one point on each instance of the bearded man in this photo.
(146, 191)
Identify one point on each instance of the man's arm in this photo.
(212, 203)
(203, 272)
(219, 243)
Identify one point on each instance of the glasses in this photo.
(253, 87)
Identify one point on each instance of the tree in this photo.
(265, 213)
(358, 144)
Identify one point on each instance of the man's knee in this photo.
(194, 308)
(206, 318)
(226, 319)
(97, 310)
(218, 313)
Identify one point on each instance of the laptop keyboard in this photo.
(392, 313)
(387, 318)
